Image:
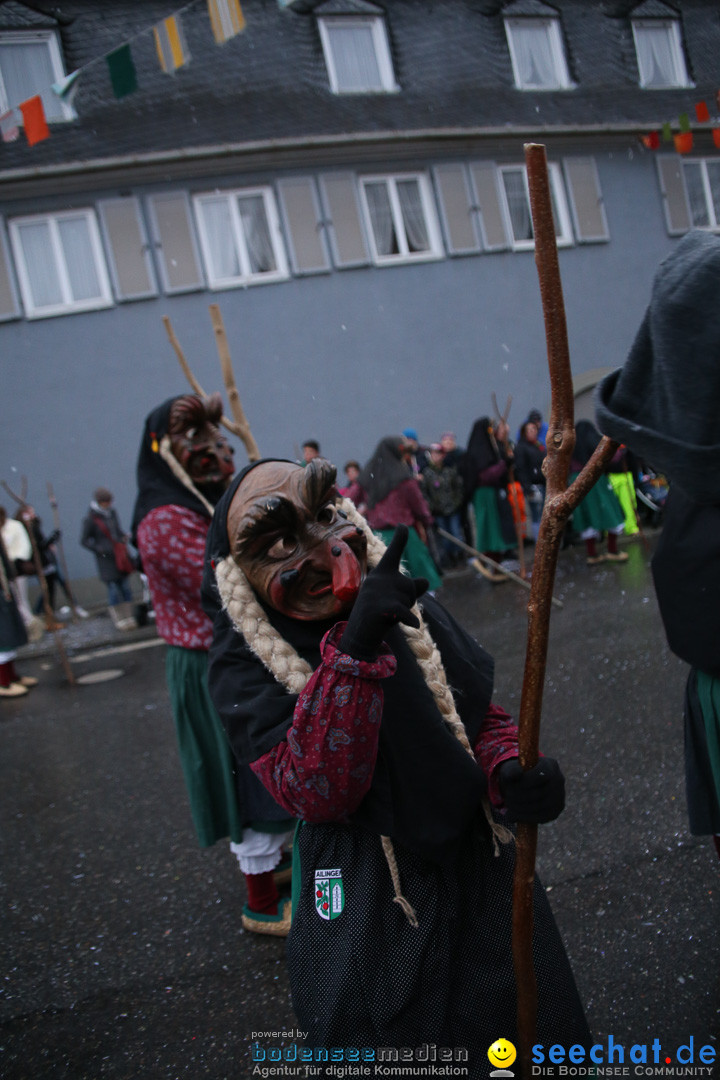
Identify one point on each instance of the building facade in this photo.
(346, 180)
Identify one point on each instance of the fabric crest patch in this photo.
(329, 893)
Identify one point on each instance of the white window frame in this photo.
(678, 56)
(388, 85)
(246, 276)
(68, 305)
(50, 38)
(713, 216)
(564, 236)
(429, 213)
(557, 48)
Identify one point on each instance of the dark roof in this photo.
(451, 61)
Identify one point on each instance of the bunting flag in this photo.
(702, 112)
(36, 128)
(123, 75)
(683, 142)
(651, 141)
(226, 19)
(170, 44)
(667, 132)
(9, 126)
(684, 121)
(715, 135)
(67, 87)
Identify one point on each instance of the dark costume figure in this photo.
(372, 720)
(530, 454)
(599, 512)
(184, 465)
(391, 495)
(443, 489)
(486, 476)
(12, 634)
(664, 405)
(45, 547)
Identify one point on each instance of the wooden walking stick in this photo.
(239, 426)
(560, 501)
(61, 550)
(49, 614)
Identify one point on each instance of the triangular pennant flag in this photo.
(9, 126)
(123, 75)
(170, 44)
(226, 19)
(667, 132)
(715, 134)
(684, 142)
(684, 121)
(702, 112)
(651, 141)
(67, 87)
(36, 128)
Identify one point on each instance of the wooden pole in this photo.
(560, 501)
(490, 563)
(241, 424)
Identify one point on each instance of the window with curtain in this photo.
(240, 237)
(30, 62)
(516, 197)
(357, 54)
(537, 54)
(658, 46)
(60, 263)
(702, 183)
(401, 218)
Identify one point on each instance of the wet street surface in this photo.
(121, 947)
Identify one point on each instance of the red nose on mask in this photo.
(346, 572)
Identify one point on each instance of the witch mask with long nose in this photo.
(294, 544)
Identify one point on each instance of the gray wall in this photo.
(345, 357)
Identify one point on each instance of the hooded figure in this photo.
(486, 478)
(369, 717)
(184, 465)
(664, 405)
(387, 486)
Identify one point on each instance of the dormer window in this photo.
(30, 62)
(537, 54)
(357, 54)
(658, 45)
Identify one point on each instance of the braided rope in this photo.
(169, 458)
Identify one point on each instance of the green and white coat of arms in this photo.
(329, 893)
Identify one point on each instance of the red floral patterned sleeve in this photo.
(497, 741)
(323, 768)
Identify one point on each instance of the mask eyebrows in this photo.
(269, 514)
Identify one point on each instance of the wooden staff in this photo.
(560, 502)
(60, 550)
(49, 614)
(239, 426)
(490, 563)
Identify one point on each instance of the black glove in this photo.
(534, 796)
(385, 598)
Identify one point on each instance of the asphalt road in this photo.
(121, 950)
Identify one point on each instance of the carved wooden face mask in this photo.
(197, 442)
(296, 548)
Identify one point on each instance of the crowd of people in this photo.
(485, 498)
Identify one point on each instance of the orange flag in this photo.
(36, 128)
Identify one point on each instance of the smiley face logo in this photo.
(502, 1054)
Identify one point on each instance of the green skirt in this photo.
(488, 527)
(416, 559)
(599, 510)
(205, 753)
